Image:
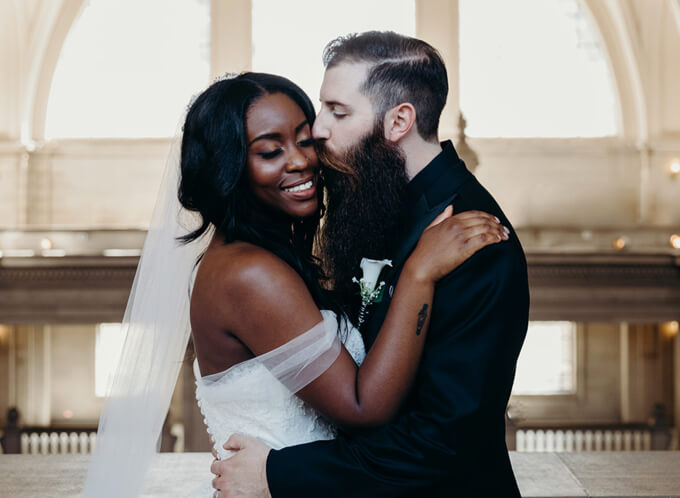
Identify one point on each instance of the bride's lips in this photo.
(302, 190)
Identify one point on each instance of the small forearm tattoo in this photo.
(422, 316)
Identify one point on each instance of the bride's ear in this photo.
(399, 121)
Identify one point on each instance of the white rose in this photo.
(371, 269)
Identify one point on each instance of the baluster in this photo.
(579, 441)
(82, 443)
(34, 444)
(569, 441)
(599, 437)
(637, 441)
(589, 440)
(618, 441)
(646, 440)
(531, 440)
(63, 442)
(550, 441)
(559, 441)
(93, 441)
(24, 444)
(73, 442)
(628, 441)
(44, 443)
(520, 441)
(540, 440)
(54, 443)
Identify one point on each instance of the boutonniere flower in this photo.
(369, 289)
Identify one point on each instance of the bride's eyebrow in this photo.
(277, 135)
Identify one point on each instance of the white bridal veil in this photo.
(157, 329)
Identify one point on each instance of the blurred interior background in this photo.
(568, 111)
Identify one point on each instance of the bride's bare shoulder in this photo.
(242, 272)
(254, 294)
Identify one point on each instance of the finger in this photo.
(448, 211)
(476, 214)
(480, 241)
(235, 442)
(494, 231)
(216, 467)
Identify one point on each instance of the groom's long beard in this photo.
(365, 190)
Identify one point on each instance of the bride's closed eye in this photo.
(270, 154)
(308, 142)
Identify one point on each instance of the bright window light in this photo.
(108, 347)
(128, 68)
(534, 68)
(289, 37)
(547, 363)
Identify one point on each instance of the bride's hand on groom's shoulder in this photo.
(451, 239)
(244, 474)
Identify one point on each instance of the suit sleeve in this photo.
(478, 322)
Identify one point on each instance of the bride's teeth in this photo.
(299, 188)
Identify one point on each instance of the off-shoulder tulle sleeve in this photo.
(302, 359)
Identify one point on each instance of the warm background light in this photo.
(46, 244)
(675, 167)
(4, 334)
(619, 243)
(675, 241)
(670, 329)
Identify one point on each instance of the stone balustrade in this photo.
(565, 475)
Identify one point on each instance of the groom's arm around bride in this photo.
(449, 439)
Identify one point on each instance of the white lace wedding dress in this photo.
(248, 399)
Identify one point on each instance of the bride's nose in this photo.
(297, 161)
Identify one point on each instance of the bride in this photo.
(275, 356)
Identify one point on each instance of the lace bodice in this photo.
(248, 399)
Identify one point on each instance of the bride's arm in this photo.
(269, 305)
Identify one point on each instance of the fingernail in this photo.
(506, 229)
(496, 218)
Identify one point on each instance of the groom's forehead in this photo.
(341, 82)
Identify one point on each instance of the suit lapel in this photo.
(422, 216)
(430, 191)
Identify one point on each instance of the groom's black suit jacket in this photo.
(449, 437)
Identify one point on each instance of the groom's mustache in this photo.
(338, 163)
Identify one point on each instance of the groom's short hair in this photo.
(402, 69)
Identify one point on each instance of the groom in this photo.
(382, 97)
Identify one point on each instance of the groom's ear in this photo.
(399, 121)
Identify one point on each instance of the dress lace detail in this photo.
(248, 399)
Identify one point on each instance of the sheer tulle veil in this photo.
(156, 323)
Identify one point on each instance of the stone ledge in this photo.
(540, 475)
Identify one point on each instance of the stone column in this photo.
(231, 39)
(437, 24)
(32, 374)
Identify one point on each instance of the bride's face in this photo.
(282, 165)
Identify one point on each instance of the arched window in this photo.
(129, 68)
(534, 68)
(289, 37)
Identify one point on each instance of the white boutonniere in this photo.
(369, 289)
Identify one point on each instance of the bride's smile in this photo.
(282, 165)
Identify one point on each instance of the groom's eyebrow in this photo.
(276, 136)
(333, 103)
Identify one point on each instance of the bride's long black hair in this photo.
(212, 183)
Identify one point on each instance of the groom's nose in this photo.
(320, 130)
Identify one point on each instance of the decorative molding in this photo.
(640, 288)
(587, 287)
